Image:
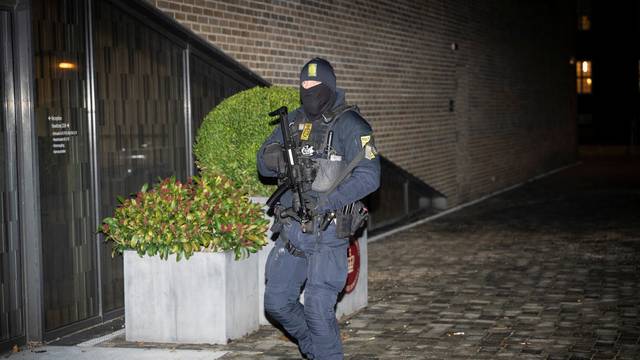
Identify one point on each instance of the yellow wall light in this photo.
(66, 65)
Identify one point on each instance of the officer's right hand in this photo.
(273, 158)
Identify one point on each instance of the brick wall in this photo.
(509, 81)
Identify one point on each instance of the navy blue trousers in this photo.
(322, 272)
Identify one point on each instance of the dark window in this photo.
(209, 86)
(140, 114)
(584, 23)
(69, 271)
(584, 15)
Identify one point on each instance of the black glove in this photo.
(273, 158)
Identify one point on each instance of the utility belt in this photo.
(349, 220)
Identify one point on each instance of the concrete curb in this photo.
(473, 202)
(103, 353)
(101, 339)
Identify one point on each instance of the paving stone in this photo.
(550, 271)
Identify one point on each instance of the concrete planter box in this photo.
(209, 298)
(262, 262)
(359, 297)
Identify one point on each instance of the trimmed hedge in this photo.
(231, 134)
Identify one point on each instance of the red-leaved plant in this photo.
(204, 214)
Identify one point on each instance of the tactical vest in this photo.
(324, 168)
(321, 162)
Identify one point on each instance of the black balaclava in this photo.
(320, 98)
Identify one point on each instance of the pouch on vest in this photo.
(331, 170)
(328, 171)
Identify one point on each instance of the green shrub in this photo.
(231, 134)
(205, 214)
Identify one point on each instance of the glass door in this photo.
(68, 231)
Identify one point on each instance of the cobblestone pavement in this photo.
(550, 270)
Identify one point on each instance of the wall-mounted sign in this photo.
(61, 134)
(353, 269)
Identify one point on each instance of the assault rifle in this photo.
(293, 177)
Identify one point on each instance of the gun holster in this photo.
(285, 215)
(348, 223)
(278, 221)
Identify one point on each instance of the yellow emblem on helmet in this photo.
(306, 131)
(313, 70)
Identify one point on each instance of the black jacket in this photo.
(351, 133)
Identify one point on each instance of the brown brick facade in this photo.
(508, 80)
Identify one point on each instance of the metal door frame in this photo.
(7, 62)
(27, 172)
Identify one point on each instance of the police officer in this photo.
(310, 254)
